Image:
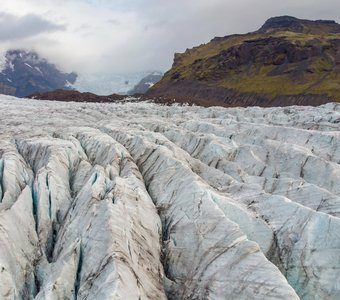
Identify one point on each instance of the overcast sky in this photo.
(115, 36)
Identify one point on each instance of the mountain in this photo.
(287, 61)
(145, 201)
(146, 83)
(24, 73)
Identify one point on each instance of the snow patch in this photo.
(38, 69)
(68, 84)
(3, 62)
(11, 66)
(150, 84)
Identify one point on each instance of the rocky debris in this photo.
(143, 201)
(197, 93)
(75, 96)
(25, 73)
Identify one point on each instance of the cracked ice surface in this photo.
(140, 201)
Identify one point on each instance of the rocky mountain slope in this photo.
(146, 83)
(141, 201)
(24, 73)
(287, 61)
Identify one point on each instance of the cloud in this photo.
(115, 36)
(14, 27)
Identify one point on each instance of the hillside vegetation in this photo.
(286, 57)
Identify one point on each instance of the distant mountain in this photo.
(24, 73)
(146, 83)
(287, 61)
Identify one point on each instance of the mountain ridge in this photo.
(146, 83)
(286, 58)
(25, 72)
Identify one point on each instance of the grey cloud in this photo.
(114, 22)
(136, 35)
(14, 27)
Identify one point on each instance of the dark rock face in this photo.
(75, 96)
(266, 51)
(284, 56)
(283, 22)
(146, 83)
(297, 25)
(26, 73)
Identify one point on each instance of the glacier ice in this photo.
(141, 201)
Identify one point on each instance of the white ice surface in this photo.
(141, 201)
(107, 84)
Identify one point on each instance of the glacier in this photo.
(107, 84)
(135, 200)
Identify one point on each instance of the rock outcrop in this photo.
(142, 201)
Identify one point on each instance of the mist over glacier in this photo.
(142, 201)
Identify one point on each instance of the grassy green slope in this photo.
(274, 62)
